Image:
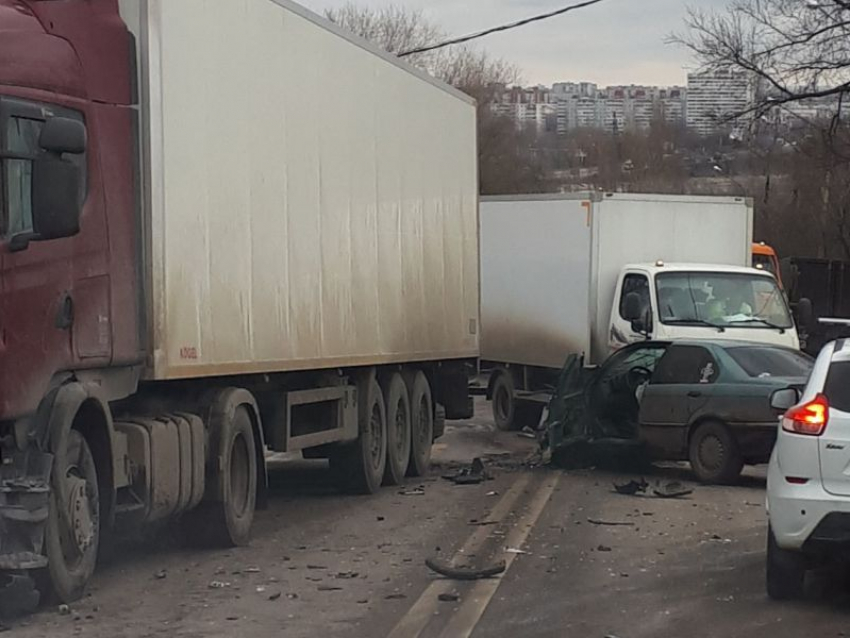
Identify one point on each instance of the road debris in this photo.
(671, 489)
(328, 588)
(514, 550)
(316, 567)
(596, 521)
(252, 570)
(448, 598)
(64, 610)
(482, 523)
(632, 487)
(275, 596)
(160, 575)
(345, 575)
(218, 584)
(493, 493)
(527, 433)
(472, 475)
(603, 548)
(395, 596)
(416, 491)
(464, 572)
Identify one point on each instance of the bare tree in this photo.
(506, 161)
(797, 49)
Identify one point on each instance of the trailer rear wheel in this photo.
(72, 536)
(359, 467)
(504, 402)
(226, 520)
(398, 429)
(421, 422)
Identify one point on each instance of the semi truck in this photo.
(226, 229)
(587, 273)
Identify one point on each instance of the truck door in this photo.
(622, 330)
(55, 309)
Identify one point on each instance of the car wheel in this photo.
(785, 571)
(714, 454)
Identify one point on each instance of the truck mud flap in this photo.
(24, 506)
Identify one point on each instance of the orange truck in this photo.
(764, 257)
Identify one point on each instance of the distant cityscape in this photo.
(703, 105)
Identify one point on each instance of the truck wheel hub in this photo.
(80, 513)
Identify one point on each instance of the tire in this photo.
(72, 540)
(398, 429)
(785, 572)
(504, 402)
(421, 423)
(226, 521)
(714, 454)
(359, 467)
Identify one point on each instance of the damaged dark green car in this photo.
(706, 402)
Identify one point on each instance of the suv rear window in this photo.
(772, 362)
(837, 386)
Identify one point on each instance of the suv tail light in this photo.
(810, 418)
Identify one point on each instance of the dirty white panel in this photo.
(641, 229)
(312, 203)
(535, 279)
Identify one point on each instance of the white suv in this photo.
(808, 480)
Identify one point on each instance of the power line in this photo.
(504, 27)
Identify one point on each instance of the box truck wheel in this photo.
(398, 429)
(72, 536)
(225, 521)
(504, 402)
(359, 467)
(421, 423)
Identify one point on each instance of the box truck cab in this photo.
(689, 301)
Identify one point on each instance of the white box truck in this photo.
(590, 272)
(229, 227)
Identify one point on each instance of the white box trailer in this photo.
(277, 252)
(312, 202)
(553, 270)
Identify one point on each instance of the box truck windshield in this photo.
(722, 300)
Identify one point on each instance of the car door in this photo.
(680, 387)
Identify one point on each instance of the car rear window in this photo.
(772, 362)
(837, 386)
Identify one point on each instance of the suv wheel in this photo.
(786, 571)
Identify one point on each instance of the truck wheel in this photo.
(714, 454)
(503, 401)
(422, 423)
(398, 430)
(785, 571)
(359, 467)
(226, 521)
(72, 535)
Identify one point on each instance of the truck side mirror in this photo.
(805, 315)
(56, 181)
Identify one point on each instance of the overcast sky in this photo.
(614, 42)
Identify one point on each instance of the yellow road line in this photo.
(422, 611)
(466, 618)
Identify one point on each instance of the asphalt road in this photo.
(322, 564)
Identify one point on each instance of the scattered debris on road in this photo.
(252, 570)
(415, 491)
(476, 523)
(448, 598)
(474, 474)
(514, 550)
(218, 584)
(464, 572)
(275, 596)
(64, 610)
(631, 488)
(596, 521)
(395, 596)
(671, 489)
(328, 588)
(603, 548)
(160, 575)
(349, 574)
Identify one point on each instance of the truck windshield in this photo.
(722, 299)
